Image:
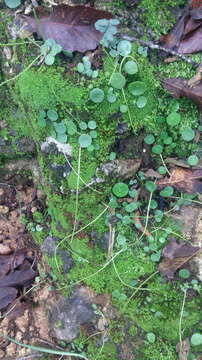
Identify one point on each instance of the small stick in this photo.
(152, 46)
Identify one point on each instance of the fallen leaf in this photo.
(178, 88)
(7, 295)
(175, 255)
(186, 35)
(183, 349)
(150, 173)
(72, 27)
(186, 180)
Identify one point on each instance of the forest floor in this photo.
(100, 191)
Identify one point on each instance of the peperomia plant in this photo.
(12, 4)
(49, 50)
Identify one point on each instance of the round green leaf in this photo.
(85, 140)
(12, 4)
(123, 108)
(162, 170)
(141, 102)
(62, 138)
(137, 88)
(130, 67)
(151, 337)
(173, 119)
(42, 122)
(52, 115)
(120, 189)
(93, 134)
(97, 95)
(132, 207)
(124, 47)
(83, 125)
(188, 134)
(149, 139)
(71, 127)
(157, 149)
(155, 257)
(167, 191)
(150, 186)
(60, 127)
(153, 204)
(158, 215)
(196, 339)
(168, 140)
(92, 125)
(49, 59)
(118, 80)
(184, 273)
(80, 68)
(90, 148)
(193, 160)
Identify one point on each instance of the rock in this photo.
(9, 148)
(68, 314)
(60, 171)
(124, 169)
(65, 149)
(49, 247)
(190, 218)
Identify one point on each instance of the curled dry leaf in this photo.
(186, 35)
(178, 88)
(186, 180)
(72, 27)
(175, 255)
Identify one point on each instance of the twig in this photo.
(152, 46)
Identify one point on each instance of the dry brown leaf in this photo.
(186, 180)
(178, 88)
(186, 35)
(72, 27)
(175, 255)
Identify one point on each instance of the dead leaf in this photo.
(183, 349)
(178, 88)
(186, 180)
(150, 173)
(175, 255)
(70, 26)
(186, 35)
(7, 295)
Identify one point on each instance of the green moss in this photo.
(159, 16)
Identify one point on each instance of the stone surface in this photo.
(68, 314)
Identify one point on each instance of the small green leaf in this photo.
(157, 149)
(132, 207)
(62, 138)
(167, 191)
(60, 127)
(196, 339)
(153, 204)
(92, 125)
(149, 139)
(93, 134)
(49, 59)
(173, 119)
(130, 67)
(80, 67)
(52, 115)
(141, 102)
(184, 273)
(71, 127)
(91, 148)
(155, 257)
(42, 122)
(83, 125)
(137, 88)
(162, 170)
(85, 140)
(97, 95)
(150, 186)
(120, 189)
(123, 108)
(124, 47)
(193, 160)
(118, 80)
(188, 134)
(151, 337)
(158, 215)
(12, 4)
